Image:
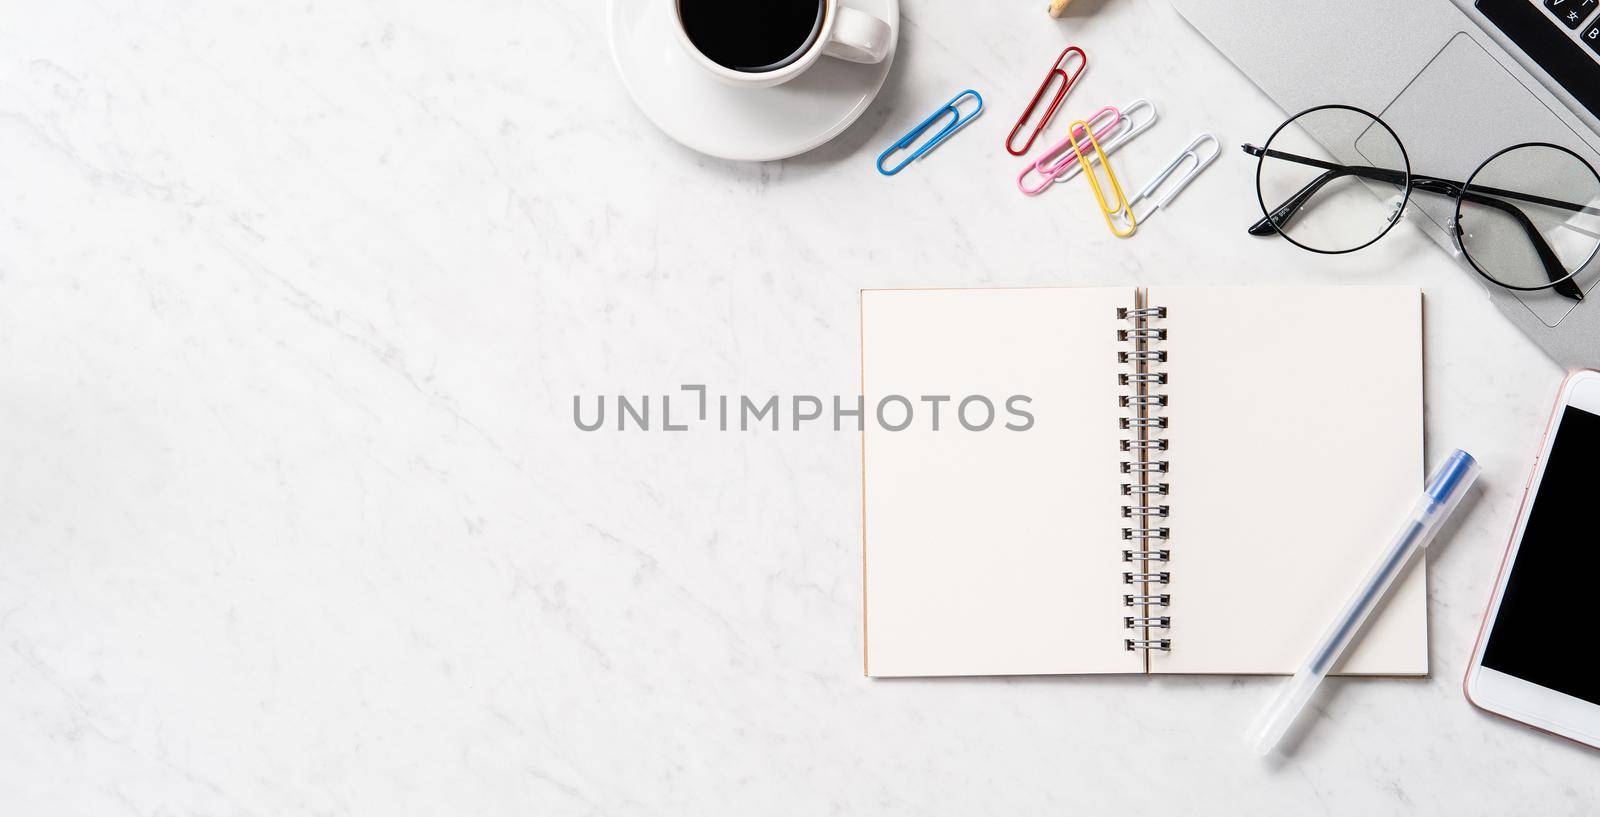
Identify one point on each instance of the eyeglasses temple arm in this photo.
(1561, 281)
(1291, 206)
(1398, 178)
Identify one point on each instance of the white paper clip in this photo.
(1133, 123)
(1200, 163)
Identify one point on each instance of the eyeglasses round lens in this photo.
(1529, 218)
(1329, 201)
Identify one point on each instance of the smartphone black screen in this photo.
(1542, 634)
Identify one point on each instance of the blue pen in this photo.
(1448, 483)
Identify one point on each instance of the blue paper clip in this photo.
(955, 124)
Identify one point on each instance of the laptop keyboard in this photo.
(1562, 36)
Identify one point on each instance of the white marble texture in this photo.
(294, 518)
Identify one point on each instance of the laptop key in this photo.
(1591, 38)
(1571, 13)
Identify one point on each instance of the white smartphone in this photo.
(1531, 662)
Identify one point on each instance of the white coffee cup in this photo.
(847, 33)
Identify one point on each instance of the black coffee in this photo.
(752, 35)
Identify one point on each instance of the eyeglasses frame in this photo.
(1460, 191)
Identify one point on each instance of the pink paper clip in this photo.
(1061, 156)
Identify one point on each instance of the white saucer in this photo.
(746, 124)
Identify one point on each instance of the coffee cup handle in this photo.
(858, 36)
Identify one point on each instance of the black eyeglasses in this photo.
(1527, 218)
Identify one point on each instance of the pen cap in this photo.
(1449, 482)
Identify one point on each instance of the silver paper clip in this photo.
(957, 121)
(1132, 125)
(1200, 163)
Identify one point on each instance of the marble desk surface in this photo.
(294, 518)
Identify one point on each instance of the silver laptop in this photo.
(1457, 80)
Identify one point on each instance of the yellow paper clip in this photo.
(1121, 212)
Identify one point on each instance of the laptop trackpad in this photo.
(1459, 111)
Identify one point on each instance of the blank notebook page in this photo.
(994, 552)
(1295, 450)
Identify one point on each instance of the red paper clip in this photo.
(1057, 70)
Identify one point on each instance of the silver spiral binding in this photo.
(1158, 356)
(1129, 488)
(1146, 578)
(1163, 644)
(1146, 510)
(1146, 533)
(1142, 422)
(1143, 444)
(1156, 377)
(1141, 334)
(1146, 621)
(1161, 600)
(1153, 445)
(1143, 312)
(1159, 467)
(1134, 400)
(1146, 555)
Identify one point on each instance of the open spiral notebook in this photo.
(1209, 473)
